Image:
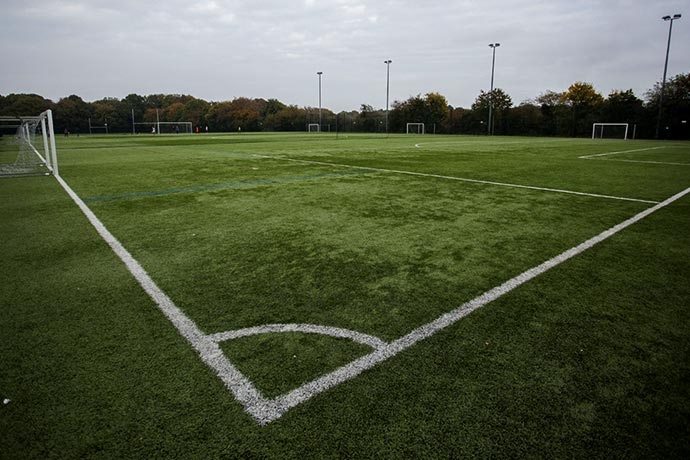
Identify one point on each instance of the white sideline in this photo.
(461, 179)
(265, 410)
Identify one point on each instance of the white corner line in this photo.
(364, 339)
(462, 179)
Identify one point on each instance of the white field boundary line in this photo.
(265, 410)
(461, 179)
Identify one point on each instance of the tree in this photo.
(268, 114)
(436, 111)
(72, 113)
(622, 107)
(585, 103)
(24, 104)
(291, 118)
(553, 111)
(676, 106)
(370, 120)
(527, 119)
(430, 109)
(501, 104)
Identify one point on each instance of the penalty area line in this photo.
(584, 157)
(464, 179)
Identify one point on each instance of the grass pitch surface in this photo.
(364, 233)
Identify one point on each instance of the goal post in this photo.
(415, 128)
(30, 150)
(610, 131)
(314, 128)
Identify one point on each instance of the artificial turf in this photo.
(589, 360)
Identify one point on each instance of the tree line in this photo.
(568, 113)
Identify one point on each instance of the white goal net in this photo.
(27, 145)
(610, 131)
(314, 128)
(415, 128)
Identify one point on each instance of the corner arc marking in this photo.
(359, 337)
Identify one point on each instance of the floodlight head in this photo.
(319, 73)
(494, 45)
(677, 16)
(666, 18)
(387, 61)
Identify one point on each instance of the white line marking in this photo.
(208, 350)
(642, 161)
(264, 410)
(364, 339)
(622, 151)
(462, 179)
(349, 371)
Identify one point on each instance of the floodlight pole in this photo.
(388, 79)
(663, 80)
(158, 124)
(490, 127)
(319, 74)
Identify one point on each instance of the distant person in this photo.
(153, 130)
(197, 130)
(206, 129)
(239, 129)
(177, 129)
(66, 132)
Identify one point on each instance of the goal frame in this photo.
(47, 135)
(422, 131)
(311, 125)
(603, 125)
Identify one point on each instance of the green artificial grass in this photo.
(588, 360)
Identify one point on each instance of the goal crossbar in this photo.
(603, 125)
(415, 128)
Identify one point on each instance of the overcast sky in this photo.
(221, 49)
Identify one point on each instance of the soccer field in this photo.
(322, 296)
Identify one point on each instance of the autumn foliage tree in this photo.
(552, 113)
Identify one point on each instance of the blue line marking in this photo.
(235, 184)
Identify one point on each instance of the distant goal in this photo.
(27, 145)
(415, 128)
(314, 128)
(610, 131)
(163, 127)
